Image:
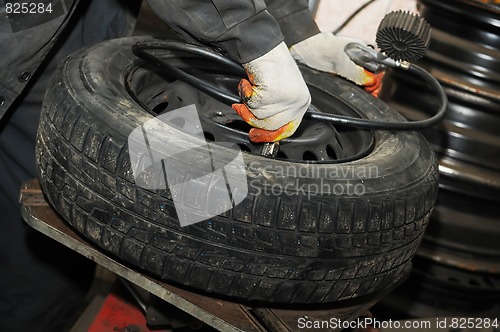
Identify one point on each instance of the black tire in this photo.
(282, 249)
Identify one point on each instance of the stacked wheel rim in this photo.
(464, 55)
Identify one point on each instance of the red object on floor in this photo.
(118, 313)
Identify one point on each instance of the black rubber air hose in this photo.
(141, 49)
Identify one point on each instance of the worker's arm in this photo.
(242, 28)
(275, 96)
(321, 51)
(294, 18)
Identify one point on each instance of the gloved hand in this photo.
(275, 98)
(325, 51)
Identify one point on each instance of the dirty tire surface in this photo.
(299, 248)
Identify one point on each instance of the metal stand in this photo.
(221, 314)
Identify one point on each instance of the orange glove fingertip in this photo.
(244, 112)
(257, 135)
(245, 89)
(373, 82)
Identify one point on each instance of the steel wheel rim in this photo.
(314, 141)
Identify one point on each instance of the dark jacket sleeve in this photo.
(294, 18)
(245, 29)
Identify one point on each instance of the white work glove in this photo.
(326, 52)
(275, 97)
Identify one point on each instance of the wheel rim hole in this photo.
(239, 125)
(310, 156)
(210, 137)
(281, 155)
(160, 107)
(488, 282)
(330, 151)
(244, 148)
(473, 282)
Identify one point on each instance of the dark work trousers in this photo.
(42, 283)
